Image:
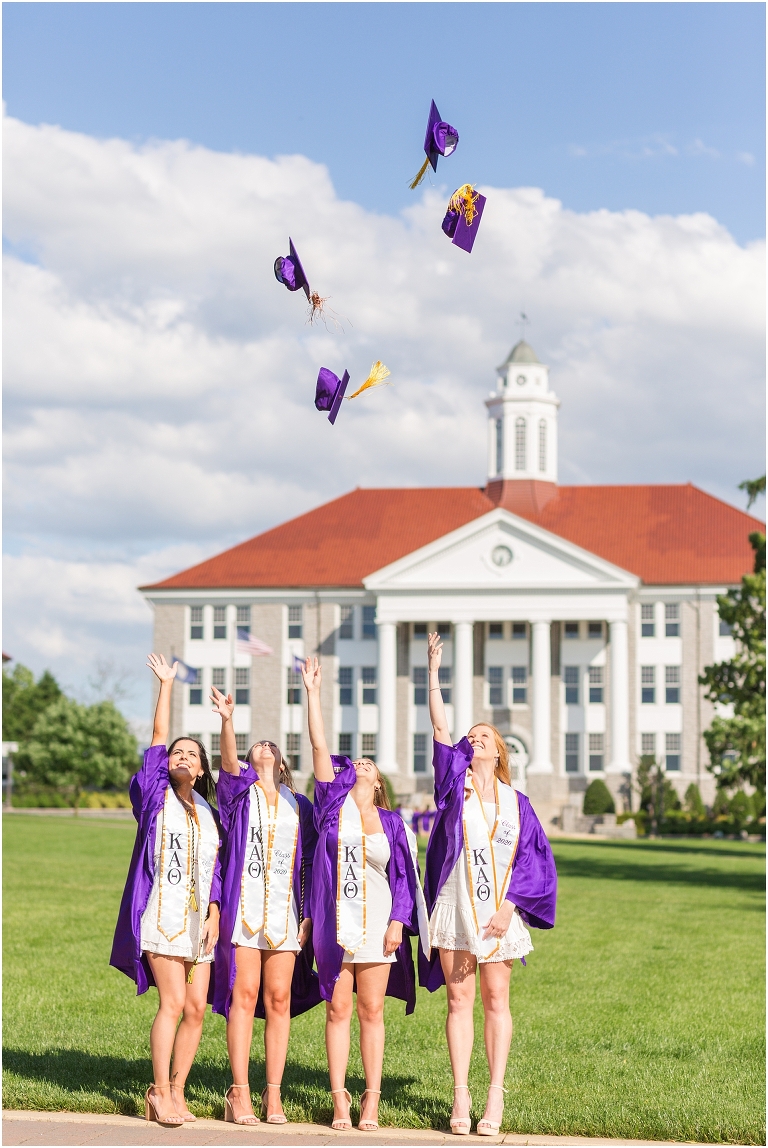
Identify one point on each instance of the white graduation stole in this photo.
(177, 864)
(267, 881)
(489, 855)
(350, 882)
(421, 904)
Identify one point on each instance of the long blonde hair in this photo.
(380, 795)
(501, 769)
(286, 777)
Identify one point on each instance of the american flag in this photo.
(248, 644)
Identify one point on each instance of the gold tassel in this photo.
(376, 378)
(191, 973)
(422, 173)
(192, 900)
(463, 200)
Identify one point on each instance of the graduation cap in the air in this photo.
(330, 388)
(441, 139)
(289, 272)
(462, 219)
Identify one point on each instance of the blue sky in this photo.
(658, 107)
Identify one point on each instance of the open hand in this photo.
(435, 651)
(500, 921)
(222, 705)
(160, 667)
(312, 673)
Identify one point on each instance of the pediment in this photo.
(500, 551)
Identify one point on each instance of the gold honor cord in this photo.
(379, 373)
(463, 200)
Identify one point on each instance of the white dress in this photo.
(188, 945)
(452, 924)
(378, 903)
(242, 935)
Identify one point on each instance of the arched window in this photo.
(520, 444)
(499, 446)
(542, 444)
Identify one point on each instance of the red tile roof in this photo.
(664, 534)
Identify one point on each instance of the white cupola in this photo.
(522, 420)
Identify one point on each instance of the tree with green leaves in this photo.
(24, 699)
(736, 742)
(658, 795)
(74, 747)
(753, 487)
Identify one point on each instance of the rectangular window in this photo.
(519, 683)
(293, 750)
(219, 677)
(571, 753)
(369, 680)
(519, 633)
(647, 624)
(419, 753)
(445, 630)
(295, 621)
(242, 682)
(571, 629)
(672, 684)
(672, 620)
(219, 622)
(648, 744)
(520, 451)
(345, 744)
(444, 677)
(595, 684)
(724, 629)
(499, 446)
(369, 622)
(215, 744)
(369, 745)
(419, 631)
(496, 685)
(346, 681)
(594, 629)
(195, 696)
(244, 618)
(495, 631)
(571, 679)
(347, 623)
(673, 746)
(542, 444)
(596, 749)
(648, 685)
(196, 622)
(293, 681)
(419, 677)
(241, 742)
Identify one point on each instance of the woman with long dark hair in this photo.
(489, 873)
(364, 893)
(264, 956)
(168, 923)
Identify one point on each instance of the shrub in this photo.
(597, 798)
(741, 807)
(692, 802)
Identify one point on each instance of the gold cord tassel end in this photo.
(422, 173)
(375, 379)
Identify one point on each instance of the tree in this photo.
(24, 699)
(736, 743)
(657, 793)
(753, 487)
(73, 747)
(597, 798)
(692, 801)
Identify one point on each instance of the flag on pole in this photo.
(187, 674)
(247, 643)
(298, 664)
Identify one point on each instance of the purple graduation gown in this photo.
(234, 810)
(329, 798)
(147, 792)
(533, 885)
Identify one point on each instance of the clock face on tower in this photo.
(520, 380)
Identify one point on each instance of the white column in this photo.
(463, 714)
(619, 762)
(541, 675)
(387, 690)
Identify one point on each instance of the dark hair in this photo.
(205, 785)
(286, 777)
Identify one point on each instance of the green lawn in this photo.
(640, 1016)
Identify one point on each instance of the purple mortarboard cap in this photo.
(457, 229)
(288, 270)
(330, 391)
(441, 138)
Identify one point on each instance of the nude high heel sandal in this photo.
(489, 1127)
(342, 1124)
(369, 1125)
(460, 1125)
(229, 1115)
(188, 1118)
(150, 1111)
(276, 1117)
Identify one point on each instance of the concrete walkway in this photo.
(60, 1128)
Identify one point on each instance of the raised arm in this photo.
(436, 706)
(312, 674)
(165, 675)
(225, 707)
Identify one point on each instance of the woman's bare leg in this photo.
(338, 1014)
(170, 977)
(372, 983)
(277, 972)
(240, 1024)
(494, 990)
(190, 1030)
(459, 972)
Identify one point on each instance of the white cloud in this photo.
(160, 382)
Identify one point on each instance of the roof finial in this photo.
(522, 323)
